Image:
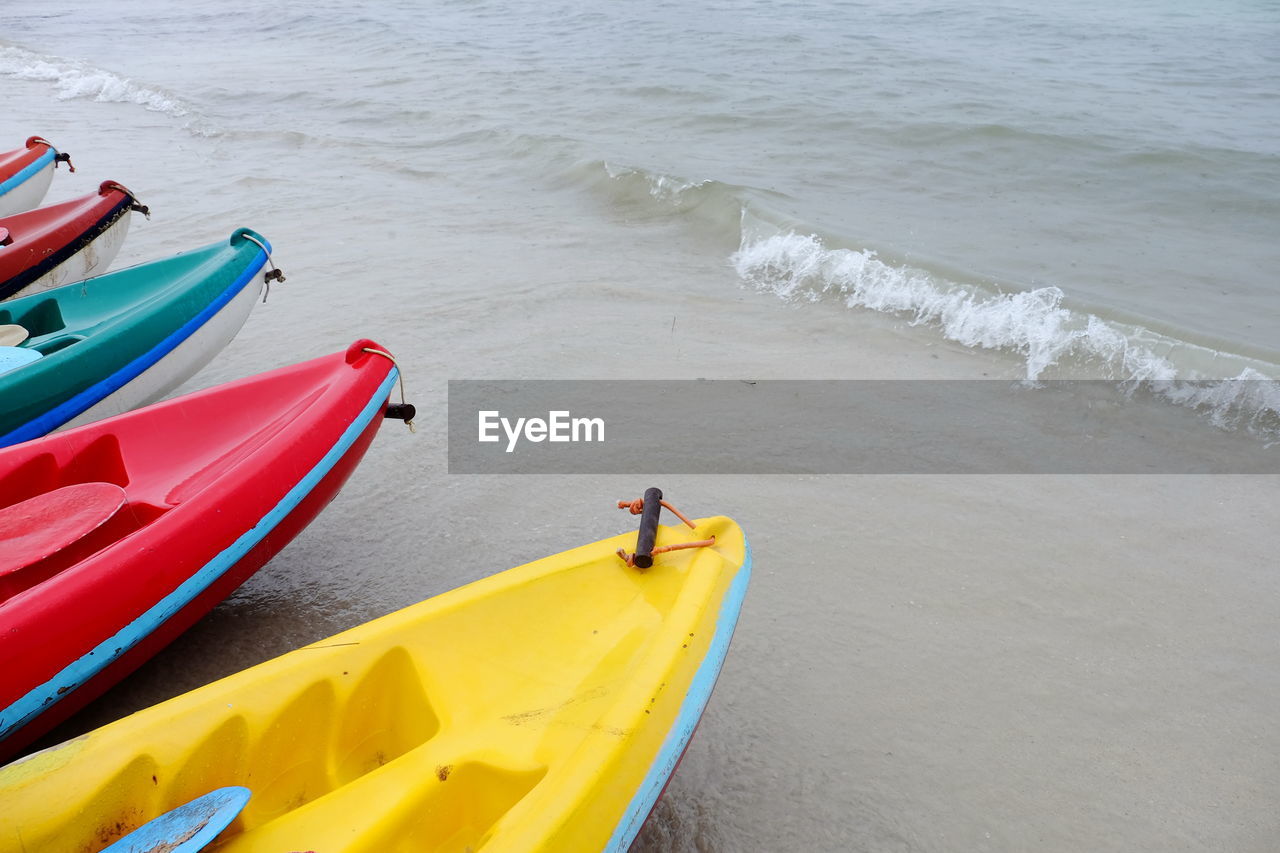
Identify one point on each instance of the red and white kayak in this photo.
(64, 243)
(25, 174)
(117, 536)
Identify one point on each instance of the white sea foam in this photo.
(77, 79)
(1034, 323)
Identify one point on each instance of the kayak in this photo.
(64, 243)
(540, 709)
(26, 173)
(115, 537)
(117, 341)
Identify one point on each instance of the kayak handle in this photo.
(649, 508)
(400, 412)
(648, 527)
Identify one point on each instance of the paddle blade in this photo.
(187, 828)
(12, 334)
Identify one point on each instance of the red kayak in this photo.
(64, 243)
(117, 536)
(25, 174)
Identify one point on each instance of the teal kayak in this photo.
(106, 345)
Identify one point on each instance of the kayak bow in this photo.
(64, 243)
(26, 173)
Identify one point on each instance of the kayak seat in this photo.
(38, 320)
(43, 534)
(474, 787)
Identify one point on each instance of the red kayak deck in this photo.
(214, 484)
(35, 242)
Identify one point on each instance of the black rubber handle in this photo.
(400, 412)
(648, 527)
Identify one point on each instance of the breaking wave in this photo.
(77, 79)
(1053, 339)
(1235, 392)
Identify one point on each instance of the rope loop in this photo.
(636, 507)
(630, 559)
(273, 274)
(58, 157)
(399, 376)
(136, 206)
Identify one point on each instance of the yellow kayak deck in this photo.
(542, 708)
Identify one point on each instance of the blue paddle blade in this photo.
(11, 358)
(187, 828)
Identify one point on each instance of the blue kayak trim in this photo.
(27, 172)
(103, 388)
(695, 702)
(78, 672)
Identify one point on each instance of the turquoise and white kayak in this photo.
(109, 344)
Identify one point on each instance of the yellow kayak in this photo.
(542, 708)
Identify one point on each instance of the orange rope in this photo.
(637, 506)
(630, 559)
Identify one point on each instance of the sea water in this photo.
(1074, 183)
(783, 190)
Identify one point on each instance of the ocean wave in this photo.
(1235, 392)
(716, 206)
(779, 254)
(77, 79)
(1036, 324)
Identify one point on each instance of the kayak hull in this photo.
(29, 192)
(245, 468)
(543, 708)
(63, 243)
(178, 365)
(95, 258)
